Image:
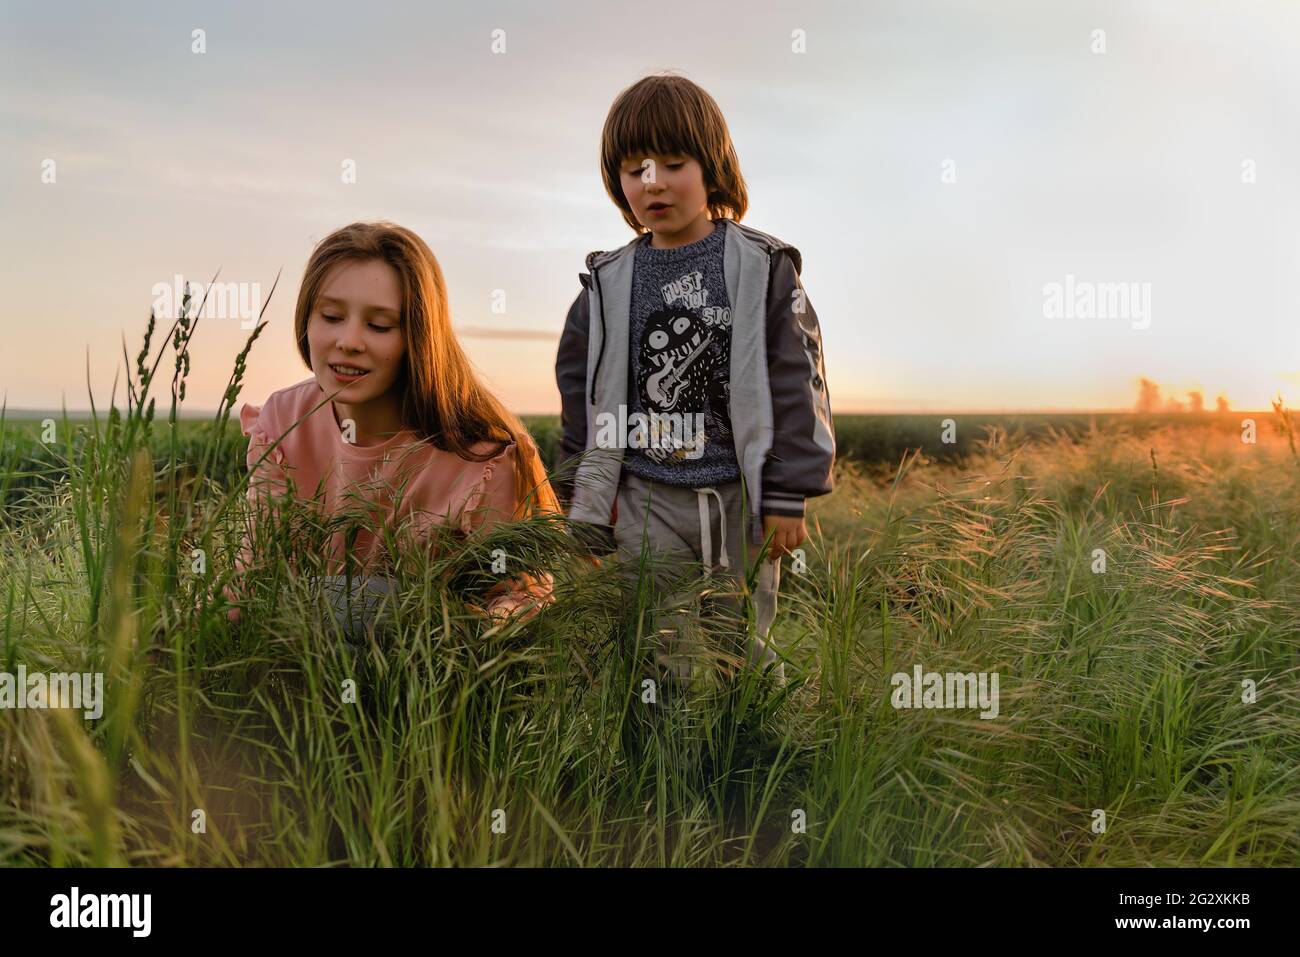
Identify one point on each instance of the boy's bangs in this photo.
(654, 127)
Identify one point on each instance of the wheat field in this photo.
(1136, 593)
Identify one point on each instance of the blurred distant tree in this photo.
(1148, 396)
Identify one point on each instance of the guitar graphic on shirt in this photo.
(665, 386)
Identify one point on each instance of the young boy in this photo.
(694, 397)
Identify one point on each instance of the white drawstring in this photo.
(706, 535)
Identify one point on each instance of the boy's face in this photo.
(667, 194)
(355, 326)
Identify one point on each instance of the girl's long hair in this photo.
(442, 399)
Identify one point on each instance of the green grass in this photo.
(1121, 691)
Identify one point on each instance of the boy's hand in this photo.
(790, 533)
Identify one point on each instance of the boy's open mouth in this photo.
(657, 207)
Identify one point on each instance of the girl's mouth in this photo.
(347, 373)
(659, 208)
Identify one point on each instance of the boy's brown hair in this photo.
(669, 114)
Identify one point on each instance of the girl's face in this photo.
(354, 332)
(667, 194)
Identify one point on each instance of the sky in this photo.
(948, 170)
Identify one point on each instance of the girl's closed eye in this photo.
(373, 325)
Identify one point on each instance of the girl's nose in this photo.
(349, 338)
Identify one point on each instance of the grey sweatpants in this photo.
(678, 527)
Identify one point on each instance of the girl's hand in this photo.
(790, 533)
(522, 603)
(494, 614)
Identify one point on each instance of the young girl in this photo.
(394, 424)
(699, 336)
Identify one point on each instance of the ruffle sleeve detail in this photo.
(266, 459)
(484, 498)
(250, 421)
(491, 499)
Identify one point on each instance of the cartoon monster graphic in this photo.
(680, 355)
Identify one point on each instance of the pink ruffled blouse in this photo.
(402, 482)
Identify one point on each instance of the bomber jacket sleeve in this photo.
(571, 378)
(802, 456)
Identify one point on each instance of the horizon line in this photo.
(211, 413)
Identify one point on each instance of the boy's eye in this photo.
(638, 170)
